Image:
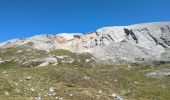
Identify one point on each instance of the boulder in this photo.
(51, 60)
(159, 73)
(1, 61)
(43, 64)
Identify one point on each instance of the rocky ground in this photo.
(29, 74)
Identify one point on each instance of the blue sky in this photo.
(25, 18)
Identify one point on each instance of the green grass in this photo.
(79, 80)
(84, 83)
(10, 66)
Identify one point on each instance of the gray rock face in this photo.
(148, 41)
(159, 73)
(135, 42)
(1, 61)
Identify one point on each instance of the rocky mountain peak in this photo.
(148, 41)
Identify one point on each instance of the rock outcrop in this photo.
(159, 73)
(138, 42)
(148, 41)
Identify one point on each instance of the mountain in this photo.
(113, 63)
(134, 43)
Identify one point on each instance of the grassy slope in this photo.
(79, 80)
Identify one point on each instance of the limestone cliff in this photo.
(148, 41)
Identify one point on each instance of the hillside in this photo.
(148, 42)
(113, 63)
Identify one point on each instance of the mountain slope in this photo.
(148, 41)
(82, 67)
